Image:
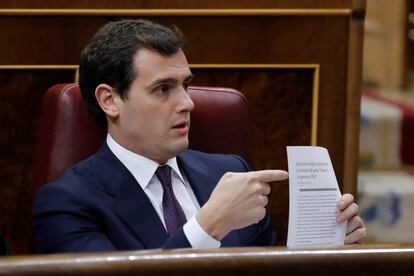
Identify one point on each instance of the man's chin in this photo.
(178, 148)
(183, 147)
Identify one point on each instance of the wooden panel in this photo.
(58, 43)
(277, 97)
(20, 96)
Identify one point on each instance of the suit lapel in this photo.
(134, 207)
(197, 175)
(131, 203)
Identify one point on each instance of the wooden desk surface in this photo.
(346, 260)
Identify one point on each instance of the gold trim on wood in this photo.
(315, 105)
(175, 12)
(44, 67)
(254, 66)
(77, 75)
(38, 67)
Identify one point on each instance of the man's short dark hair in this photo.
(109, 57)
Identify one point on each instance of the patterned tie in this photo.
(173, 213)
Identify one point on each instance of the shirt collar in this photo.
(142, 168)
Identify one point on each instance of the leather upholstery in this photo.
(68, 134)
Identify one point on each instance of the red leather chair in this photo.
(68, 134)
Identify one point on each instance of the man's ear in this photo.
(107, 99)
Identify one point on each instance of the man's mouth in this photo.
(180, 125)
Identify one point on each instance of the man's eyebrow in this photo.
(163, 80)
(169, 80)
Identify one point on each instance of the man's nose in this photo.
(186, 103)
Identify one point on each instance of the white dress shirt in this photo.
(143, 170)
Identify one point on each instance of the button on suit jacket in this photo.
(99, 206)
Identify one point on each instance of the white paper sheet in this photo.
(313, 199)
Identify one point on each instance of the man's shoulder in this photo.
(77, 175)
(212, 156)
(84, 169)
(82, 184)
(84, 173)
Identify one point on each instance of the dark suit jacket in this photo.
(98, 206)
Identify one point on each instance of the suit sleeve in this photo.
(63, 224)
(177, 240)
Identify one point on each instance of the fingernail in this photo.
(340, 218)
(341, 204)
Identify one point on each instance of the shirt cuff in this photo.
(198, 238)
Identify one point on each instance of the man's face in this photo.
(154, 119)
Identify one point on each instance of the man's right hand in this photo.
(238, 200)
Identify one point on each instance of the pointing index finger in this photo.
(269, 175)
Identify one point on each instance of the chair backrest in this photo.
(68, 134)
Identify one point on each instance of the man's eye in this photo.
(164, 89)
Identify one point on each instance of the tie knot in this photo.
(164, 175)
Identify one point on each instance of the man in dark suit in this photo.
(143, 189)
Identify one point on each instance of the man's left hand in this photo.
(355, 231)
